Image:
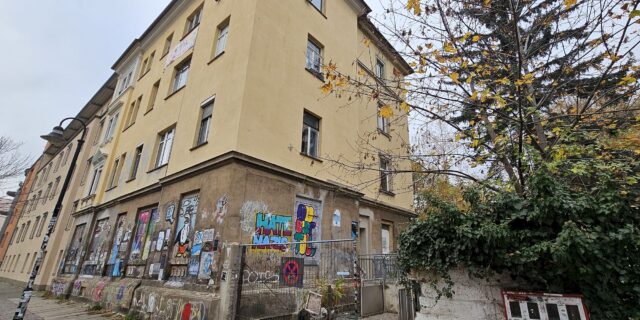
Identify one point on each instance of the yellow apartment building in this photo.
(212, 125)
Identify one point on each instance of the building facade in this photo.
(213, 125)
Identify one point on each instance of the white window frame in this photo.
(181, 74)
(97, 173)
(379, 69)
(314, 56)
(111, 127)
(221, 41)
(165, 142)
(308, 132)
(382, 122)
(135, 164)
(206, 118)
(386, 182)
(315, 4)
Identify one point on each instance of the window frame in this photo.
(204, 129)
(135, 163)
(153, 96)
(114, 171)
(111, 127)
(312, 43)
(309, 129)
(161, 147)
(167, 45)
(386, 175)
(222, 36)
(42, 222)
(95, 181)
(193, 21)
(180, 70)
(379, 69)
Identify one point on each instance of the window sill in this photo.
(310, 156)
(216, 57)
(130, 179)
(165, 54)
(386, 192)
(316, 74)
(186, 34)
(128, 126)
(144, 74)
(158, 168)
(198, 146)
(174, 93)
(148, 110)
(111, 188)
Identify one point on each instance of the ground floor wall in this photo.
(170, 241)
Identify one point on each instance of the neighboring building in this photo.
(5, 209)
(11, 226)
(214, 117)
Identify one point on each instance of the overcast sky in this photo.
(57, 54)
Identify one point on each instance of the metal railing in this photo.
(379, 267)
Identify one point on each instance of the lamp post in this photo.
(56, 138)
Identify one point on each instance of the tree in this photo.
(540, 98)
(12, 163)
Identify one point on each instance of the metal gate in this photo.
(305, 280)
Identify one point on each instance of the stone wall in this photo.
(474, 299)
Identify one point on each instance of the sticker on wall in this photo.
(197, 243)
(208, 235)
(160, 241)
(169, 213)
(221, 209)
(206, 264)
(194, 264)
(337, 217)
(292, 272)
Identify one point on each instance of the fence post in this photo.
(231, 282)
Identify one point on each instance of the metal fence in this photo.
(379, 267)
(315, 279)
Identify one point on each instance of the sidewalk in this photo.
(45, 309)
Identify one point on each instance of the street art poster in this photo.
(197, 243)
(155, 217)
(194, 265)
(292, 272)
(160, 241)
(141, 232)
(354, 229)
(337, 217)
(208, 235)
(186, 224)
(169, 214)
(221, 209)
(272, 232)
(206, 265)
(308, 215)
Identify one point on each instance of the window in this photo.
(86, 172)
(15, 264)
(153, 96)
(314, 56)
(66, 155)
(136, 163)
(96, 138)
(55, 169)
(552, 311)
(72, 260)
(97, 172)
(133, 112)
(317, 4)
(193, 21)
(383, 122)
(124, 83)
(205, 123)
(111, 127)
(379, 70)
(35, 203)
(221, 41)
(24, 232)
(167, 45)
(385, 174)
(386, 238)
(35, 226)
(514, 306)
(113, 180)
(43, 221)
(24, 264)
(46, 194)
(572, 311)
(534, 312)
(55, 188)
(310, 135)
(146, 64)
(181, 73)
(165, 141)
(13, 235)
(145, 228)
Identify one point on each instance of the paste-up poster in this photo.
(186, 224)
(308, 221)
(141, 231)
(206, 265)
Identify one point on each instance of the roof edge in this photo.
(372, 31)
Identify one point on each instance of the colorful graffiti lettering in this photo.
(97, 292)
(305, 226)
(272, 232)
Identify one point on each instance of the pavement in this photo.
(41, 308)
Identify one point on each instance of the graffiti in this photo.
(148, 244)
(169, 213)
(221, 209)
(259, 277)
(77, 288)
(194, 264)
(292, 272)
(97, 291)
(306, 225)
(97, 252)
(272, 232)
(186, 223)
(206, 263)
(120, 293)
(337, 218)
(159, 306)
(72, 259)
(248, 214)
(58, 287)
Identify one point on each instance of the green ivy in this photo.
(557, 237)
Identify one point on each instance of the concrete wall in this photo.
(474, 299)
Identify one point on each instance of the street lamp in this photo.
(56, 138)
